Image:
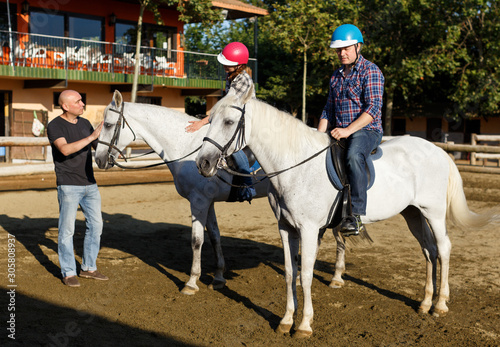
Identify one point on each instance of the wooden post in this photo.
(473, 142)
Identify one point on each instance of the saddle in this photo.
(336, 169)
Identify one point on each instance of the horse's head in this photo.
(116, 133)
(226, 133)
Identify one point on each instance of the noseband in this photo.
(240, 130)
(120, 124)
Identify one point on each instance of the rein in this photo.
(114, 141)
(221, 163)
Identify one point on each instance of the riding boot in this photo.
(249, 190)
(246, 191)
(351, 225)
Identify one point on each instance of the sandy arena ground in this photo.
(146, 253)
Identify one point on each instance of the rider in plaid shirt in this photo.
(354, 112)
(359, 92)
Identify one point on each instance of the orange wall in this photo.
(491, 126)
(98, 96)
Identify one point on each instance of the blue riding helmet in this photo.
(346, 35)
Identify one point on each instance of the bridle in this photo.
(240, 129)
(239, 133)
(120, 124)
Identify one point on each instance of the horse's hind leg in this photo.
(420, 229)
(213, 232)
(444, 249)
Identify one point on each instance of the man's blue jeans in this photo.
(359, 146)
(89, 199)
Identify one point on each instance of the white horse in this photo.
(413, 177)
(163, 130)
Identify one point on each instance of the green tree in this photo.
(301, 27)
(190, 11)
(477, 51)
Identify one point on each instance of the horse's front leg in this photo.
(290, 241)
(337, 281)
(213, 231)
(198, 221)
(309, 246)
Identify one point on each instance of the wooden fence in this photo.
(475, 138)
(477, 151)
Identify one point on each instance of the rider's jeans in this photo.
(359, 146)
(89, 199)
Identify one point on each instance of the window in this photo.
(4, 19)
(85, 28)
(152, 35)
(153, 100)
(46, 23)
(66, 25)
(124, 32)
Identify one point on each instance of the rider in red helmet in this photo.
(234, 58)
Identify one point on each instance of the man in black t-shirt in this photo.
(72, 138)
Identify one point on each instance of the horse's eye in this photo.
(107, 125)
(228, 122)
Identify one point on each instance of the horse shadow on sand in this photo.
(159, 245)
(72, 327)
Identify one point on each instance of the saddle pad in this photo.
(370, 170)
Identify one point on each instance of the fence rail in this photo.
(475, 138)
(6, 141)
(448, 147)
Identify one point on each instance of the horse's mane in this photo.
(287, 135)
(161, 110)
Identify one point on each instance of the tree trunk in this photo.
(388, 112)
(138, 52)
(304, 84)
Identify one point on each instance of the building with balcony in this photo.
(90, 46)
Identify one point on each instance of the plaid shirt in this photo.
(350, 96)
(241, 83)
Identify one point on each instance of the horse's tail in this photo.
(457, 208)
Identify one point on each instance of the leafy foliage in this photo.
(441, 51)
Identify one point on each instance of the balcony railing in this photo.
(51, 52)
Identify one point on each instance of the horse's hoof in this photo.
(439, 313)
(216, 285)
(424, 309)
(187, 290)
(300, 334)
(283, 328)
(336, 284)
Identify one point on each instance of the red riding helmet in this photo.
(233, 54)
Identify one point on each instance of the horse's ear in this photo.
(117, 99)
(248, 95)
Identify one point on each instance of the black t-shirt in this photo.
(74, 169)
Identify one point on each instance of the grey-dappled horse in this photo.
(163, 129)
(413, 177)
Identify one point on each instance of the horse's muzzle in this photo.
(205, 168)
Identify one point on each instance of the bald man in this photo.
(72, 138)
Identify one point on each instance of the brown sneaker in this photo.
(71, 281)
(96, 275)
